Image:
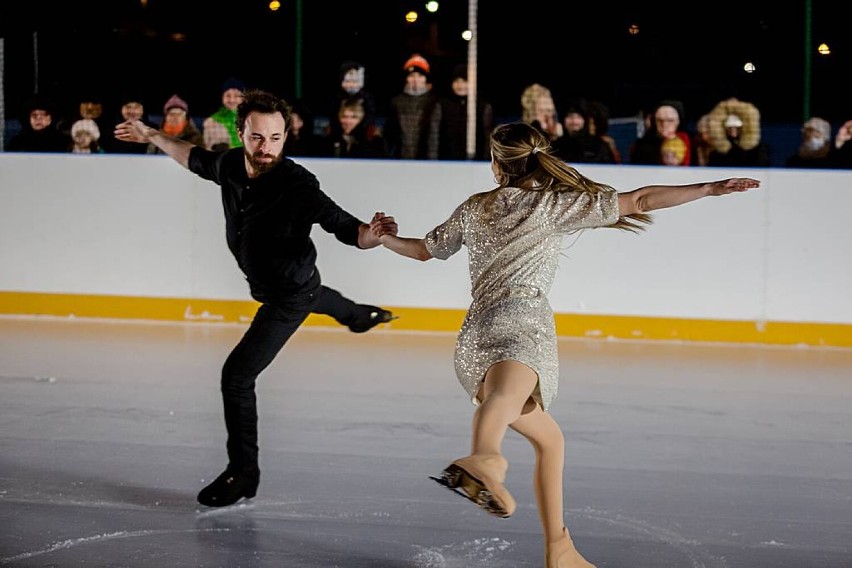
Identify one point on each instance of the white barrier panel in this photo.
(142, 226)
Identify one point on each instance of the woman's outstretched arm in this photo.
(653, 197)
(407, 246)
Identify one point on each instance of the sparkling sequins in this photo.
(514, 239)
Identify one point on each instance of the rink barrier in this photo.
(604, 327)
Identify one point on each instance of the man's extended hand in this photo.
(134, 131)
(369, 235)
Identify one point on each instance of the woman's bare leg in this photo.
(546, 437)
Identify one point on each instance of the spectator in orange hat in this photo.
(412, 126)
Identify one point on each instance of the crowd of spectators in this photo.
(429, 122)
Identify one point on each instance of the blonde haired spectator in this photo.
(353, 138)
(673, 151)
(539, 110)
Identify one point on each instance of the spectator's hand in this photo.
(134, 131)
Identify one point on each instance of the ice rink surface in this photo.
(678, 455)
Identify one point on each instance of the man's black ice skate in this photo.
(229, 488)
(371, 319)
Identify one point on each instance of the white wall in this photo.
(144, 226)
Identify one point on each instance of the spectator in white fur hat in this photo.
(85, 136)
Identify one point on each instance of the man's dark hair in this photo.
(264, 102)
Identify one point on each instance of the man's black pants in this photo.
(272, 326)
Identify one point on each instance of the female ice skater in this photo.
(506, 355)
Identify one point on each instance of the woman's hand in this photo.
(382, 225)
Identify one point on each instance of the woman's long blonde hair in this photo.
(524, 156)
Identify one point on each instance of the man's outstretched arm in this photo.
(137, 131)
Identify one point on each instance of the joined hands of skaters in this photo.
(382, 225)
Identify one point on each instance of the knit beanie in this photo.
(459, 72)
(175, 102)
(233, 83)
(416, 63)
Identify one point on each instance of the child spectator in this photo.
(85, 135)
(672, 152)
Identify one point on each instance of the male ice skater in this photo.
(271, 203)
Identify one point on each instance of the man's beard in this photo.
(262, 167)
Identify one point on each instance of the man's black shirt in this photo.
(268, 220)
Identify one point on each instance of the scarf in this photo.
(227, 118)
(174, 130)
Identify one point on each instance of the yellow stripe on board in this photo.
(431, 319)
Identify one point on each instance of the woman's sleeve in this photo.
(574, 210)
(446, 239)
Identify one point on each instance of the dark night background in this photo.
(694, 53)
